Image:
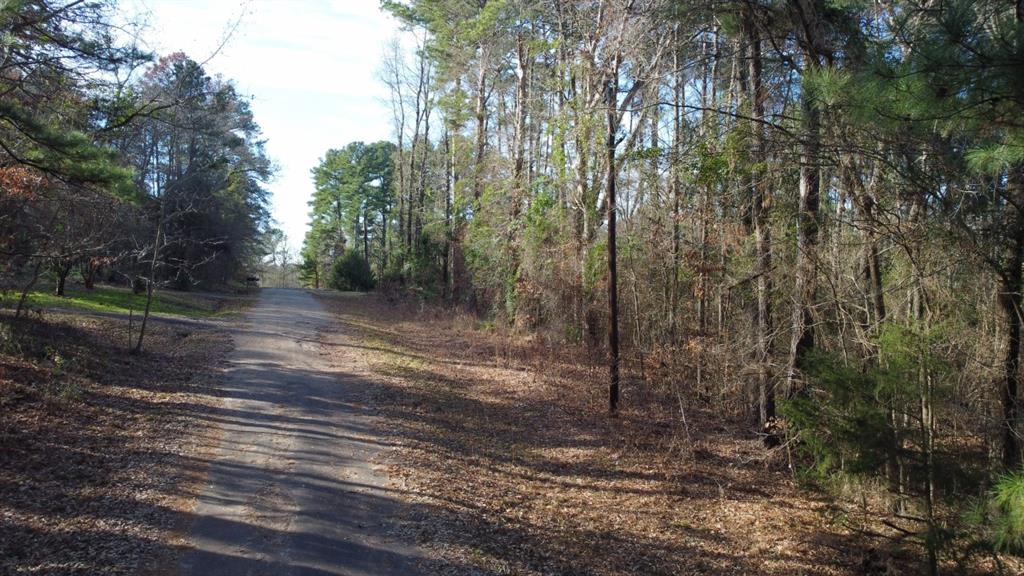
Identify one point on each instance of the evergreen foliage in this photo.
(352, 273)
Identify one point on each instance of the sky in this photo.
(310, 67)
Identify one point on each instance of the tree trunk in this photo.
(409, 193)
(424, 163)
(28, 288)
(63, 270)
(802, 338)
(582, 225)
(522, 72)
(1010, 302)
(150, 283)
(679, 86)
(383, 243)
(760, 204)
(89, 278)
(613, 280)
(481, 124)
(448, 191)
(366, 239)
(866, 206)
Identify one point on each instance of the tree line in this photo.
(118, 165)
(804, 214)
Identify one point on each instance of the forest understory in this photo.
(101, 450)
(512, 466)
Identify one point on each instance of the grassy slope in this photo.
(121, 300)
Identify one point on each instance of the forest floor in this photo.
(98, 447)
(513, 466)
(497, 452)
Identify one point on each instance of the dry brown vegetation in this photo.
(98, 447)
(514, 467)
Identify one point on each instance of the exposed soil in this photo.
(514, 467)
(98, 448)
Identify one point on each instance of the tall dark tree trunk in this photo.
(1010, 303)
(873, 264)
(611, 99)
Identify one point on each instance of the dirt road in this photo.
(290, 489)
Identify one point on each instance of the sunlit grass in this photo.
(120, 300)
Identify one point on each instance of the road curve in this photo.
(290, 488)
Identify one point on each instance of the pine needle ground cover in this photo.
(511, 467)
(98, 448)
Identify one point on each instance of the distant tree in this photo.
(353, 200)
(200, 162)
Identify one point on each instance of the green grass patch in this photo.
(121, 300)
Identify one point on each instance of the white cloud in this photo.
(309, 65)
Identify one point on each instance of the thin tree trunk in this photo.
(28, 288)
(481, 124)
(150, 283)
(424, 163)
(448, 191)
(522, 73)
(677, 185)
(760, 205)
(366, 240)
(582, 226)
(384, 252)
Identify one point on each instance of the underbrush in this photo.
(506, 434)
(506, 443)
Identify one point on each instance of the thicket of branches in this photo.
(804, 214)
(123, 167)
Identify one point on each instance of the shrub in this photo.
(1000, 518)
(351, 272)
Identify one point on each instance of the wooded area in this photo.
(118, 165)
(806, 215)
(801, 218)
